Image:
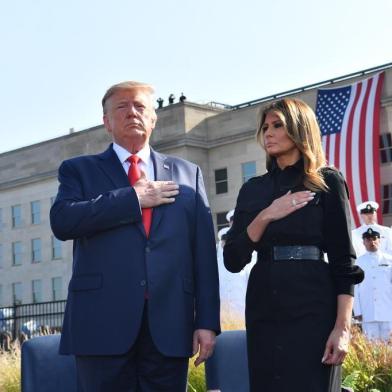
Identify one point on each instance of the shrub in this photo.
(368, 365)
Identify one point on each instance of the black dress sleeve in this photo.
(238, 248)
(337, 234)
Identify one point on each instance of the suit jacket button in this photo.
(142, 282)
(148, 250)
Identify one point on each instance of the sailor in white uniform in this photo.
(232, 286)
(368, 213)
(373, 297)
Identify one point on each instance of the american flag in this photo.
(349, 119)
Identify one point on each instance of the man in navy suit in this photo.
(144, 293)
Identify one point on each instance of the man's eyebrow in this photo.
(120, 101)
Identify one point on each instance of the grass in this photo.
(10, 369)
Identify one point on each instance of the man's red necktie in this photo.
(133, 175)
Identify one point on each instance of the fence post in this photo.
(14, 310)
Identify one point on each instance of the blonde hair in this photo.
(302, 128)
(128, 85)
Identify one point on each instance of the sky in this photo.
(59, 57)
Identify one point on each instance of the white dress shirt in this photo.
(145, 164)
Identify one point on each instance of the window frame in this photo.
(16, 218)
(14, 285)
(386, 199)
(15, 254)
(221, 182)
(33, 292)
(225, 223)
(245, 178)
(35, 212)
(57, 242)
(60, 290)
(35, 260)
(385, 148)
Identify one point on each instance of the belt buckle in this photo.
(295, 253)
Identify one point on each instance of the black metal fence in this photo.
(32, 319)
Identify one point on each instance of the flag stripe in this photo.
(332, 153)
(356, 141)
(349, 173)
(376, 143)
(337, 149)
(362, 146)
(371, 143)
(325, 142)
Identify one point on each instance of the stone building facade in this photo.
(35, 267)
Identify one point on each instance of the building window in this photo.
(385, 147)
(248, 171)
(56, 248)
(36, 254)
(16, 253)
(35, 212)
(221, 220)
(16, 216)
(386, 196)
(36, 286)
(221, 181)
(56, 289)
(17, 293)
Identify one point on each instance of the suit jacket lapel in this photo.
(113, 169)
(163, 172)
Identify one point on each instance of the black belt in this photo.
(297, 252)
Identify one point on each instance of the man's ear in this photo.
(106, 123)
(154, 120)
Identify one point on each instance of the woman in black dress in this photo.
(298, 306)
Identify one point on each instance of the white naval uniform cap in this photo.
(367, 207)
(370, 233)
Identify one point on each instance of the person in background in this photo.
(298, 307)
(144, 269)
(368, 214)
(232, 288)
(373, 297)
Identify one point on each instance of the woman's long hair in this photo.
(302, 128)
